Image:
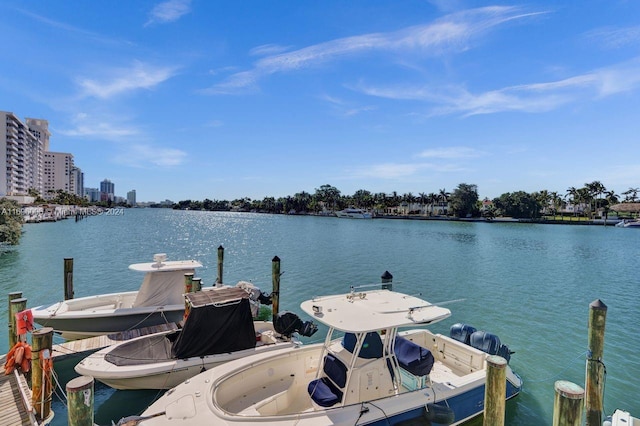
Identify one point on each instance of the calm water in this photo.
(530, 284)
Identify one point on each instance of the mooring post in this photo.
(220, 264)
(594, 386)
(80, 400)
(495, 391)
(188, 282)
(387, 280)
(275, 281)
(17, 305)
(197, 285)
(11, 320)
(41, 367)
(567, 404)
(68, 278)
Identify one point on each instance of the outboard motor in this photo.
(461, 332)
(489, 343)
(287, 323)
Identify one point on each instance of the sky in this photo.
(195, 99)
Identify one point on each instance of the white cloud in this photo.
(454, 152)
(615, 37)
(268, 49)
(451, 33)
(141, 155)
(89, 126)
(168, 11)
(124, 80)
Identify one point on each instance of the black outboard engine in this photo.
(461, 332)
(287, 323)
(265, 299)
(489, 343)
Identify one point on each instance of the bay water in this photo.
(529, 284)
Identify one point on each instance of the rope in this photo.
(582, 354)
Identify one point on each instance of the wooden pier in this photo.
(83, 346)
(15, 400)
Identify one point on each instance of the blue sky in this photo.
(223, 100)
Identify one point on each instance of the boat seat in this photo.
(326, 391)
(371, 347)
(412, 357)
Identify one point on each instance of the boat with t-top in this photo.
(353, 213)
(365, 372)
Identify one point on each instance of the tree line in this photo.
(463, 201)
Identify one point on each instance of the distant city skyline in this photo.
(193, 100)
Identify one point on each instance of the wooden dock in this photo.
(15, 400)
(83, 346)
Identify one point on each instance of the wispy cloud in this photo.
(454, 152)
(124, 80)
(141, 155)
(85, 125)
(268, 49)
(451, 33)
(535, 97)
(615, 37)
(344, 108)
(168, 11)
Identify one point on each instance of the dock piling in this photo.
(220, 264)
(17, 304)
(41, 367)
(567, 404)
(495, 391)
(197, 285)
(80, 398)
(594, 385)
(68, 278)
(275, 281)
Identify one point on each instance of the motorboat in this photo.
(353, 213)
(365, 372)
(621, 418)
(159, 300)
(629, 223)
(219, 327)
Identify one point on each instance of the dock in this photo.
(15, 400)
(92, 344)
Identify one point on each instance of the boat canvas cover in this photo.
(162, 288)
(216, 328)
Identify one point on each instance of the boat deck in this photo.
(92, 344)
(15, 400)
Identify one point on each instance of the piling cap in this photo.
(568, 390)
(598, 304)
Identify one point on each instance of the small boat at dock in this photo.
(621, 418)
(365, 372)
(353, 213)
(629, 223)
(219, 328)
(159, 300)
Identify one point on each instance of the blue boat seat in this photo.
(326, 391)
(371, 347)
(413, 357)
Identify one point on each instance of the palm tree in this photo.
(631, 195)
(572, 194)
(444, 197)
(432, 197)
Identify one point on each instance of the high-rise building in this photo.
(92, 194)
(131, 198)
(77, 181)
(107, 190)
(57, 173)
(21, 155)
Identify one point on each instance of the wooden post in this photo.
(386, 280)
(567, 404)
(17, 305)
(197, 285)
(68, 278)
(220, 263)
(40, 373)
(495, 391)
(80, 398)
(188, 282)
(12, 318)
(595, 368)
(275, 281)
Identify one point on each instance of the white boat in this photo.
(372, 375)
(621, 418)
(629, 223)
(219, 327)
(353, 213)
(159, 300)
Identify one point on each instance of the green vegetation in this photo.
(11, 220)
(577, 203)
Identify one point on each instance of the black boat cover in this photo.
(216, 329)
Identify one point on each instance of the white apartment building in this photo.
(21, 154)
(57, 173)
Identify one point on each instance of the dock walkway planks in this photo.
(15, 399)
(92, 344)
